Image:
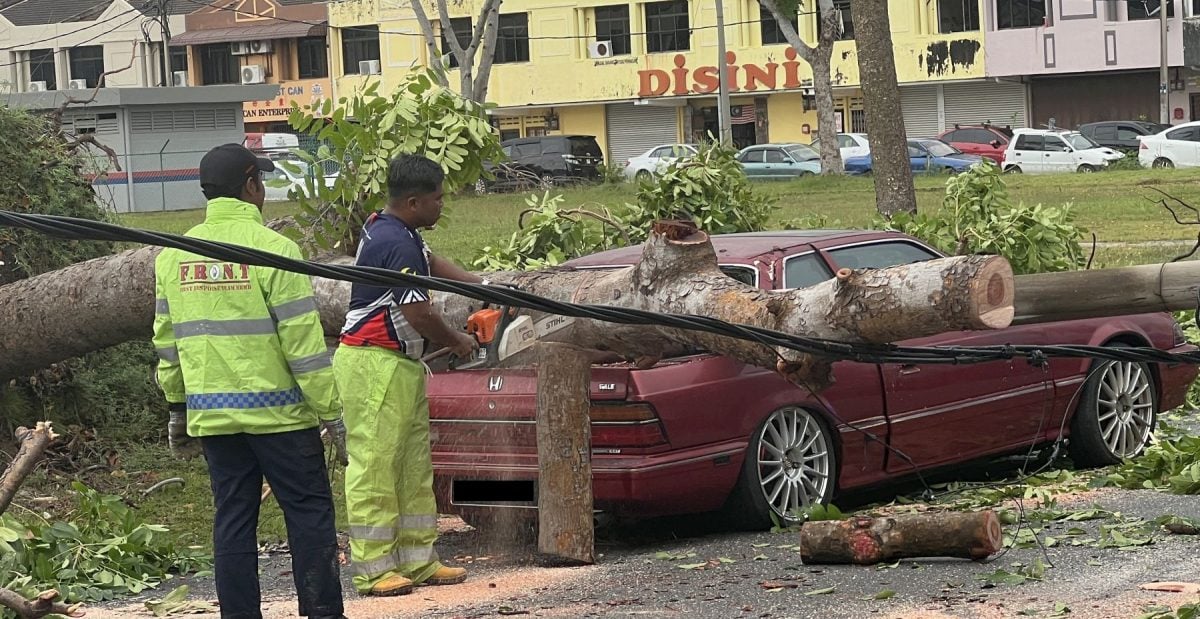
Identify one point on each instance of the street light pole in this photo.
(1164, 86)
(723, 111)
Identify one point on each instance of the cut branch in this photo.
(43, 605)
(863, 540)
(90, 138)
(33, 446)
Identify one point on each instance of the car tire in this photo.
(1122, 396)
(1086, 169)
(1163, 163)
(547, 181)
(480, 187)
(643, 176)
(1012, 169)
(768, 456)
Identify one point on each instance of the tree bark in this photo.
(674, 276)
(473, 77)
(564, 441)
(894, 190)
(863, 540)
(44, 604)
(819, 59)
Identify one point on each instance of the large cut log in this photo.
(564, 443)
(676, 275)
(1047, 297)
(864, 540)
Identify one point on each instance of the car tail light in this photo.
(1142, 145)
(1180, 336)
(626, 425)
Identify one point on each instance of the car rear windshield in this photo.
(584, 147)
(800, 152)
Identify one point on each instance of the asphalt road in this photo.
(634, 578)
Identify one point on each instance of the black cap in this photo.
(230, 165)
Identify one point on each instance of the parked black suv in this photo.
(1120, 134)
(546, 160)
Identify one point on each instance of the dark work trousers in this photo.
(294, 465)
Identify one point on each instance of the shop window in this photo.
(1011, 14)
(41, 67)
(958, 16)
(87, 63)
(358, 44)
(843, 7)
(313, 57)
(612, 25)
(179, 59)
(1148, 9)
(512, 38)
(772, 34)
(218, 65)
(667, 27)
(462, 31)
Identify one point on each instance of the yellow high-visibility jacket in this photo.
(241, 345)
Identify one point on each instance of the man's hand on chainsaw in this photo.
(464, 347)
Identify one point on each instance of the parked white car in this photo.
(850, 145)
(280, 182)
(655, 160)
(1047, 151)
(1177, 147)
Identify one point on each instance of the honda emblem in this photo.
(495, 383)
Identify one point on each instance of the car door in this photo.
(943, 413)
(1059, 156)
(752, 162)
(918, 157)
(1027, 153)
(1127, 136)
(1182, 147)
(776, 163)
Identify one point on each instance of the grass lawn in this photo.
(1119, 206)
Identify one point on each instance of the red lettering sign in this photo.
(706, 79)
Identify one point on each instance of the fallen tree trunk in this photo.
(1047, 297)
(864, 540)
(33, 445)
(675, 275)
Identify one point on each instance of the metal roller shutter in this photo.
(920, 107)
(985, 102)
(634, 129)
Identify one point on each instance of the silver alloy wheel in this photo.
(794, 461)
(1125, 408)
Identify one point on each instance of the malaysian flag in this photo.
(741, 114)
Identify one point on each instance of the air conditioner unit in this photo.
(179, 78)
(259, 47)
(77, 84)
(252, 74)
(37, 87)
(239, 48)
(600, 49)
(368, 67)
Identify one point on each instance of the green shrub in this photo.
(977, 217)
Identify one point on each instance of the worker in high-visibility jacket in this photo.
(245, 370)
(390, 504)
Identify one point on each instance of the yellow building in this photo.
(639, 74)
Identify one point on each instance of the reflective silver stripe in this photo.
(161, 306)
(418, 522)
(416, 555)
(311, 363)
(379, 566)
(168, 354)
(384, 534)
(292, 309)
(255, 326)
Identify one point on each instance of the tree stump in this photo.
(864, 540)
(564, 440)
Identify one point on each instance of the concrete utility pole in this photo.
(1164, 86)
(723, 111)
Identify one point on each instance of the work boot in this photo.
(447, 576)
(392, 585)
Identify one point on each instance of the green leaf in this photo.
(824, 591)
(691, 566)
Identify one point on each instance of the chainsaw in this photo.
(501, 333)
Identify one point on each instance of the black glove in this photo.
(183, 445)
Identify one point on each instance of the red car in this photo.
(704, 432)
(984, 140)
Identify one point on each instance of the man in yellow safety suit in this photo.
(389, 481)
(245, 369)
